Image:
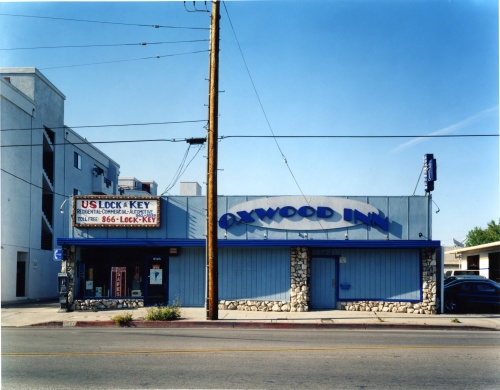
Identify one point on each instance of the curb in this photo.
(252, 325)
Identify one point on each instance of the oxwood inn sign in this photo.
(300, 213)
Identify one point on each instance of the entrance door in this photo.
(323, 283)
(156, 280)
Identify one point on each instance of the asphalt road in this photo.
(127, 358)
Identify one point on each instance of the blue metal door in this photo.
(323, 283)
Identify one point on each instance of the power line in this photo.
(105, 45)
(105, 22)
(125, 60)
(181, 169)
(32, 184)
(360, 136)
(102, 142)
(260, 102)
(258, 136)
(111, 125)
(267, 119)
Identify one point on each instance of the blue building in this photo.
(279, 253)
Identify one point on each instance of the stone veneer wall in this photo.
(103, 304)
(300, 260)
(300, 271)
(68, 267)
(429, 293)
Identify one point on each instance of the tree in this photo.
(478, 236)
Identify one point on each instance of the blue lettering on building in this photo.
(350, 215)
(371, 219)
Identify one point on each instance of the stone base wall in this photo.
(107, 304)
(392, 307)
(276, 306)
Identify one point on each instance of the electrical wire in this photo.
(104, 22)
(32, 184)
(104, 142)
(125, 60)
(110, 125)
(221, 138)
(266, 117)
(105, 45)
(180, 171)
(362, 136)
(260, 101)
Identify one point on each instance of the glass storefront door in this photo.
(156, 281)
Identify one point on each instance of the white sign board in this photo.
(116, 211)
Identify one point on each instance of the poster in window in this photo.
(155, 276)
(118, 281)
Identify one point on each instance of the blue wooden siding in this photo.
(254, 273)
(380, 274)
(186, 281)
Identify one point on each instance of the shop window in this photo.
(473, 262)
(113, 273)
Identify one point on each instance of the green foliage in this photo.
(164, 313)
(456, 321)
(122, 319)
(478, 236)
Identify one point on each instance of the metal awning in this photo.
(166, 242)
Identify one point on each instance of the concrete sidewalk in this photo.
(48, 314)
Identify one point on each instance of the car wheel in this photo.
(451, 305)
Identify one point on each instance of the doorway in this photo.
(323, 282)
(156, 285)
(21, 274)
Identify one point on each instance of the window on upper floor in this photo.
(77, 161)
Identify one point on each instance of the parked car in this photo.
(472, 295)
(450, 279)
(461, 272)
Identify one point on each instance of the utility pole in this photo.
(213, 108)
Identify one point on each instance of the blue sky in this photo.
(346, 68)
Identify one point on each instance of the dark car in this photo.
(449, 279)
(472, 295)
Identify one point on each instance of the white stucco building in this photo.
(43, 163)
(484, 258)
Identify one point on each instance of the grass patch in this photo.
(164, 313)
(122, 319)
(456, 321)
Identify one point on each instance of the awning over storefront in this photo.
(155, 242)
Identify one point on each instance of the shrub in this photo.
(122, 320)
(164, 313)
